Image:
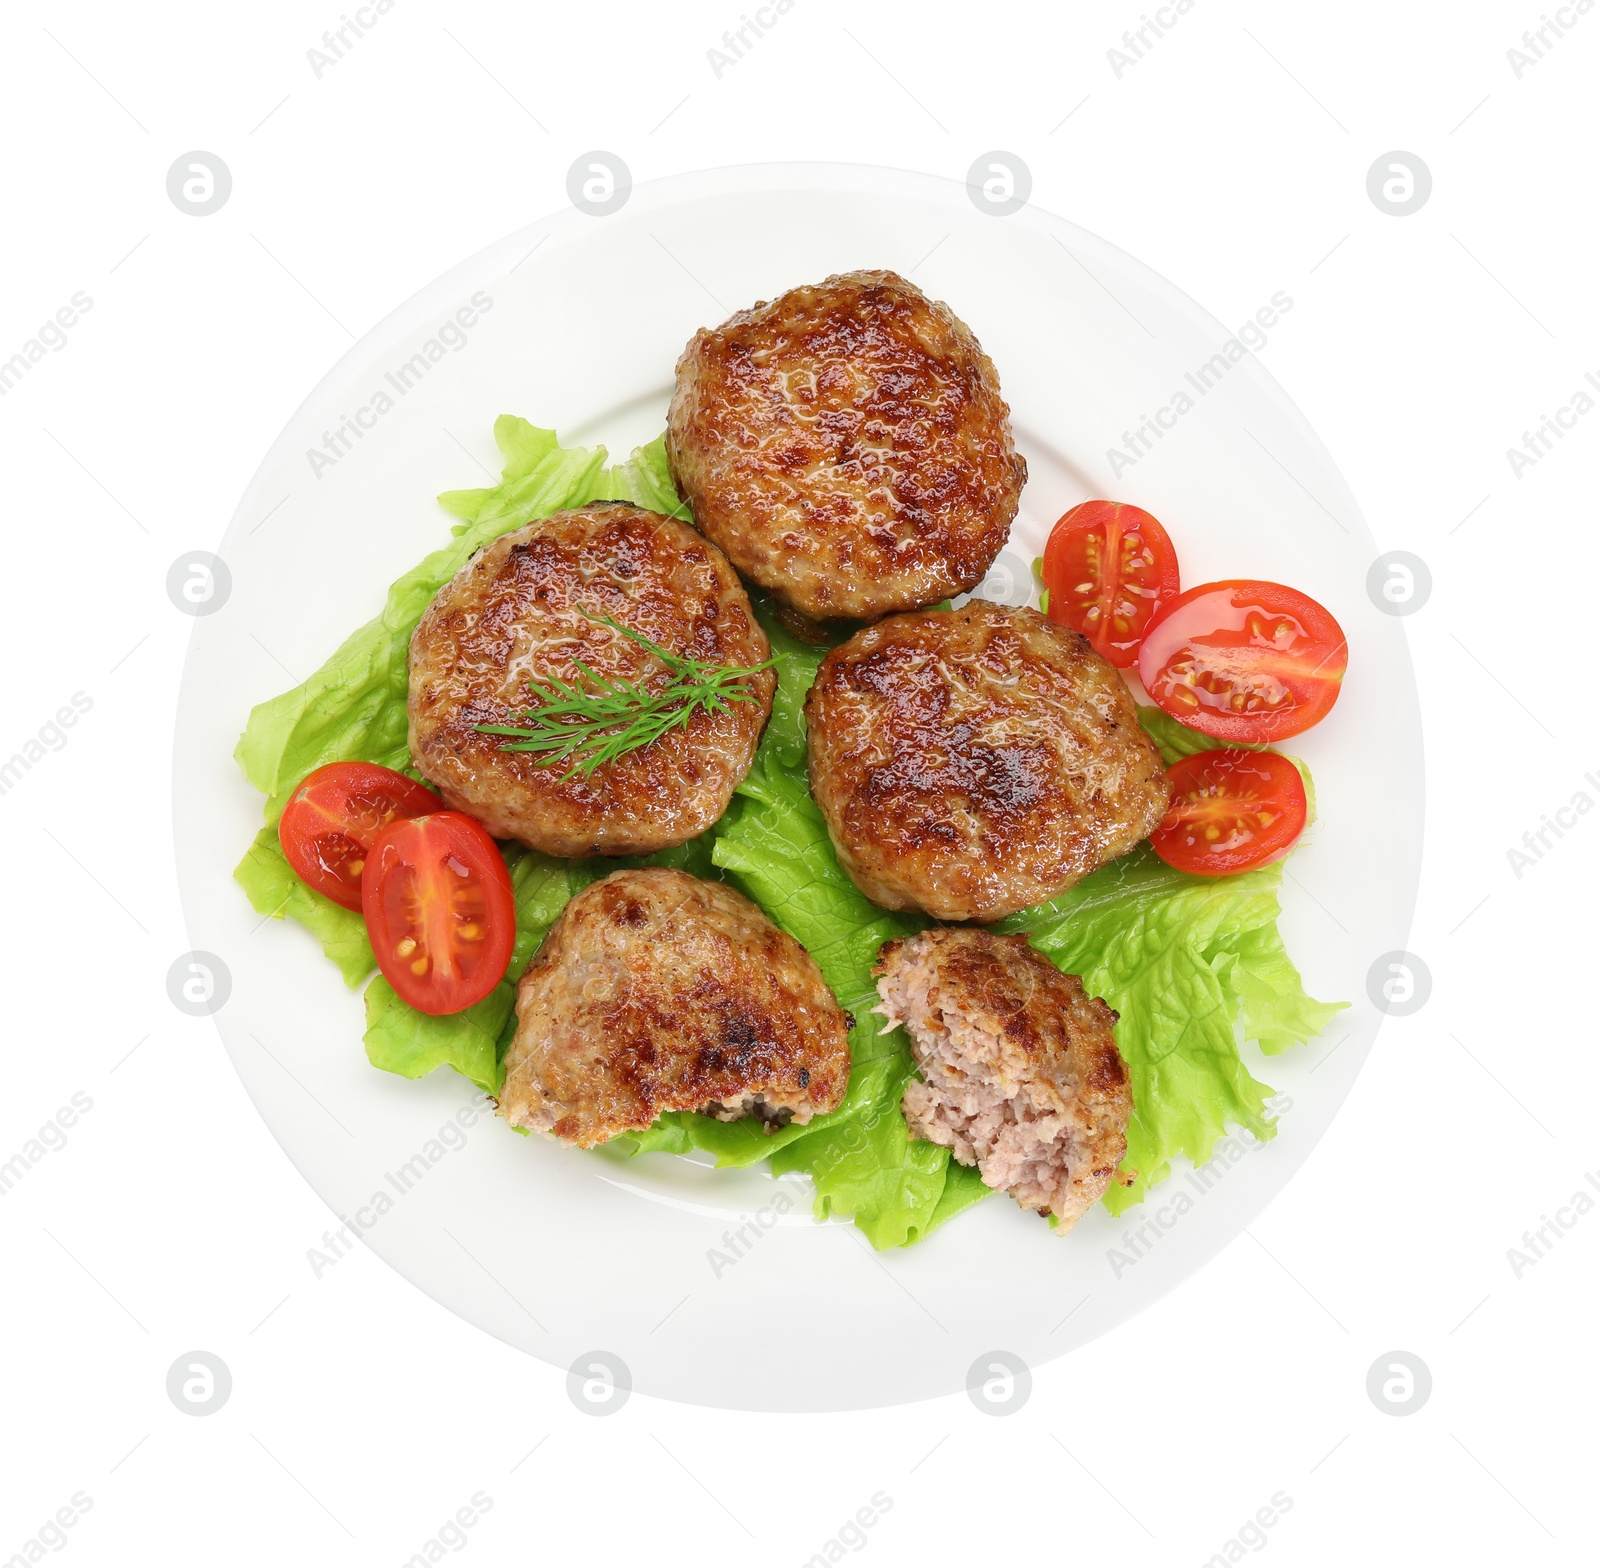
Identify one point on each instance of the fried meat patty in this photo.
(972, 762)
(847, 445)
(655, 991)
(527, 605)
(1020, 1073)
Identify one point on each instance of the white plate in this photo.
(564, 1253)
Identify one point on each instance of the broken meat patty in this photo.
(656, 991)
(1020, 1073)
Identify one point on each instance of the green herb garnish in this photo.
(589, 725)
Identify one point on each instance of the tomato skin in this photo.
(333, 816)
(1243, 660)
(1111, 609)
(1215, 825)
(440, 911)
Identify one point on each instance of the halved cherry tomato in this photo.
(1231, 810)
(440, 911)
(1243, 660)
(334, 815)
(1108, 569)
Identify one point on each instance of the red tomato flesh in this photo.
(1109, 568)
(1243, 660)
(334, 815)
(1231, 811)
(440, 911)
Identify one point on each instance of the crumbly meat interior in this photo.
(972, 1099)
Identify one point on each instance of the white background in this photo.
(1232, 159)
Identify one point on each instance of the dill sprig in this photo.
(598, 718)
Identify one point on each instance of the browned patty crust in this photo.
(522, 607)
(973, 762)
(847, 445)
(1019, 1070)
(656, 991)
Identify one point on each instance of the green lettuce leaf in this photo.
(1176, 740)
(963, 1187)
(1274, 1009)
(401, 1040)
(540, 477)
(275, 892)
